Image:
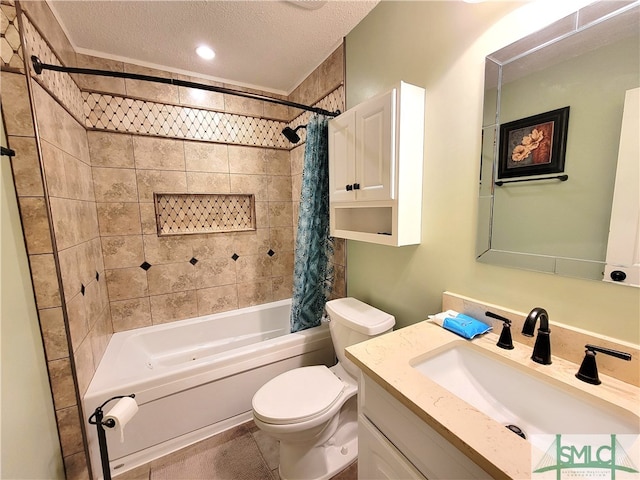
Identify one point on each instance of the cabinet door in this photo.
(342, 155)
(378, 459)
(375, 148)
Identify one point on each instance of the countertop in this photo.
(386, 359)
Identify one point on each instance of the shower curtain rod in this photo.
(38, 66)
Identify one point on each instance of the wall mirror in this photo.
(554, 104)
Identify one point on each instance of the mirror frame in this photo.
(589, 16)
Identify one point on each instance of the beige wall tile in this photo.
(203, 182)
(243, 106)
(111, 149)
(252, 243)
(126, 283)
(15, 105)
(171, 278)
(94, 303)
(96, 82)
(54, 167)
(254, 293)
(282, 239)
(115, 185)
(84, 365)
(253, 267)
(35, 223)
(148, 218)
(217, 299)
(206, 157)
(282, 287)
(45, 280)
(247, 160)
(53, 333)
(79, 183)
(26, 166)
(262, 214)
(159, 92)
(280, 214)
(278, 162)
(88, 223)
(276, 111)
(78, 324)
(119, 219)
(308, 92)
(156, 153)
(331, 72)
(131, 313)
(339, 289)
(101, 333)
(279, 188)
(297, 160)
(171, 249)
(69, 271)
(122, 251)
(253, 184)
(64, 394)
(75, 467)
(219, 245)
(282, 264)
(197, 97)
(173, 306)
(69, 430)
(339, 251)
(213, 272)
(159, 181)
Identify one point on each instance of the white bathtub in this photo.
(195, 378)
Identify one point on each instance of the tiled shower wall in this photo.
(93, 190)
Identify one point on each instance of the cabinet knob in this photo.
(618, 276)
(356, 186)
(349, 188)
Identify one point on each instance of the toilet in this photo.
(313, 411)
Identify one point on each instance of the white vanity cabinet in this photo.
(376, 152)
(396, 444)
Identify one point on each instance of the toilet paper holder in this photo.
(97, 419)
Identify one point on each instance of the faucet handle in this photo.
(589, 369)
(505, 341)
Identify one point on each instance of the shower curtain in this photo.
(312, 271)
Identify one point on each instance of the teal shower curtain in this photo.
(312, 271)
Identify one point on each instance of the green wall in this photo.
(441, 46)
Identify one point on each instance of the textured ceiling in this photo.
(272, 45)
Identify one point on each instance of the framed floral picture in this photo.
(534, 145)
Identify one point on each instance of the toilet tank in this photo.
(353, 321)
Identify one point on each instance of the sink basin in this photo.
(515, 395)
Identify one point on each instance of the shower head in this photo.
(291, 134)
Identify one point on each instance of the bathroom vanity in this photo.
(411, 425)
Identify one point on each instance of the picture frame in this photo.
(534, 145)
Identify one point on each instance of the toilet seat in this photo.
(297, 396)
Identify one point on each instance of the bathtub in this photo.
(194, 378)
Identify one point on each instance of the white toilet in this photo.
(312, 411)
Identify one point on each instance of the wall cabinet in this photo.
(376, 153)
(394, 443)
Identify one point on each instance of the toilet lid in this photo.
(297, 395)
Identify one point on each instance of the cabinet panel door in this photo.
(375, 148)
(378, 459)
(342, 157)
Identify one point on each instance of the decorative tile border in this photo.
(59, 84)
(180, 214)
(10, 45)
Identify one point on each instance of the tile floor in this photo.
(241, 453)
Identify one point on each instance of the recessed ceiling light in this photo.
(205, 52)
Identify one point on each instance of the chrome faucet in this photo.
(542, 348)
